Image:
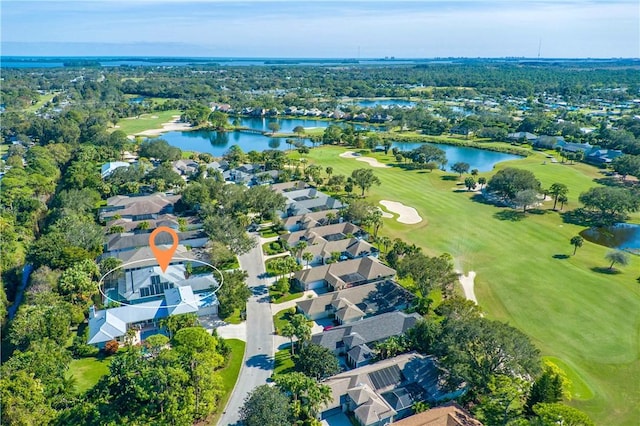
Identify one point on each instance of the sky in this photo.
(322, 29)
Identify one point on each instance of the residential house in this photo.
(574, 147)
(522, 137)
(309, 220)
(548, 142)
(147, 294)
(381, 393)
(602, 156)
(117, 243)
(141, 207)
(113, 323)
(351, 248)
(334, 232)
(307, 200)
(283, 187)
(341, 275)
(108, 168)
(356, 303)
(357, 340)
(168, 220)
(185, 168)
(449, 414)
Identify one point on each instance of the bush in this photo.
(111, 347)
(282, 285)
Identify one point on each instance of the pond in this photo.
(217, 143)
(286, 124)
(623, 236)
(480, 159)
(372, 103)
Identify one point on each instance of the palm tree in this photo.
(576, 242)
(288, 331)
(307, 257)
(329, 171)
(557, 190)
(385, 241)
(482, 181)
(563, 200)
(299, 248)
(617, 256)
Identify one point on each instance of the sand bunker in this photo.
(467, 282)
(172, 126)
(406, 214)
(371, 161)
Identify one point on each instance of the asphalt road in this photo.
(259, 352)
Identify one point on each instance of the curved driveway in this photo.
(258, 361)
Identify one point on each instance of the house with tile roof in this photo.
(116, 243)
(341, 275)
(449, 414)
(356, 303)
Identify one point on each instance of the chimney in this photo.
(92, 312)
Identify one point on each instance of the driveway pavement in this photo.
(259, 352)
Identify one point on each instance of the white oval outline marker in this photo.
(137, 305)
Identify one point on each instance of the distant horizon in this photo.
(322, 29)
(306, 58)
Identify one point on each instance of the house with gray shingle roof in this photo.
(129, 241)
(356, 303)
(342, 340)
(140, 207)
(308, 220)
(341, 275)
(302, 199)
(383, 392)
(352, 248)
(322, 234)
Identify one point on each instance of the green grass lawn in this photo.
(234, 318)
(283, 362)
(146, 121)
(43, 99)
(277, 297)
(229, 374)
(584, 319)
(87, 371)
(273, 247)
(281, 318)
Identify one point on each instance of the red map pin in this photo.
(163, 256)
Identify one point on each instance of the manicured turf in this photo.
(280, 319)
(146, 121)
(586, 319)
(234, 318)
(283, 362)
(229, 374)
(87, 371)
(277, 297)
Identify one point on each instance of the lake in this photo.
(372, 103)
(623, 236)
(480, 159)
(286, 124)
(217, 143)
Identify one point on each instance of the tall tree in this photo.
(266, 406)
(617, 256)
(316, 361)
(460, 167)
(557, 190)
(365, 179)
(509, 181)
(576, 242)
